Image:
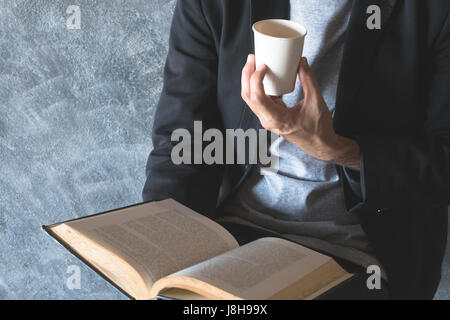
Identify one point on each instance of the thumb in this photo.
(308, 80)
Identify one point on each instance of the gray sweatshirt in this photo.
(304, 201)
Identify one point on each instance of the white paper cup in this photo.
(279, 45)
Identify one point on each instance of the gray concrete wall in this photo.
(76, 108)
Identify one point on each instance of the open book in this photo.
(163, 249)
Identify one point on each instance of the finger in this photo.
(261, 104)
(298, 106)
(308, 80)
(247, 72)
(257, 94)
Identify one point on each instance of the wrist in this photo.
(342, 151)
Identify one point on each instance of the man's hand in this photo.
(308, 125)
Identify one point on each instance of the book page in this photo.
(157, 238)
(258, 270)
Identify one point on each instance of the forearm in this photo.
(344, 152)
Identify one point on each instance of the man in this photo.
(364, 140)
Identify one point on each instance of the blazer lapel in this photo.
(360, 49)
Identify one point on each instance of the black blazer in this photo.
(393, 99)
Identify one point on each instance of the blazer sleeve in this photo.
(188, 95)
(413, 170)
